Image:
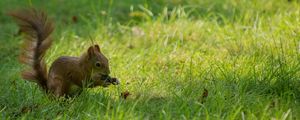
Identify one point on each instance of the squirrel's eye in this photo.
(98, 64)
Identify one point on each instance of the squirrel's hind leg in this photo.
(58, 87)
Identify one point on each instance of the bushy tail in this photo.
(36, 28)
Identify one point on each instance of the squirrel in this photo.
(91, 69)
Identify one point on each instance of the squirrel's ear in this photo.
(97, 48)
(90, 51)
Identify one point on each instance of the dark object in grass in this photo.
(74, 19)
(204, 96)
(205, 93)
(125, 94)
(24, 110)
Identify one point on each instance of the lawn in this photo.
(178, 59)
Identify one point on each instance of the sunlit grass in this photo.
(245, 54)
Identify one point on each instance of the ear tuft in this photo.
(91, 51)
(97, 48)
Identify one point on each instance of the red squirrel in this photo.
(91, 69)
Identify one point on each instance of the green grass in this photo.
(245, 53)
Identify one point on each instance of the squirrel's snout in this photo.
(105, 77)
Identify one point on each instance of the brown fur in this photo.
(91, 68)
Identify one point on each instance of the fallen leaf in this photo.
(125, 94)
(204, 96)
(205, 93)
